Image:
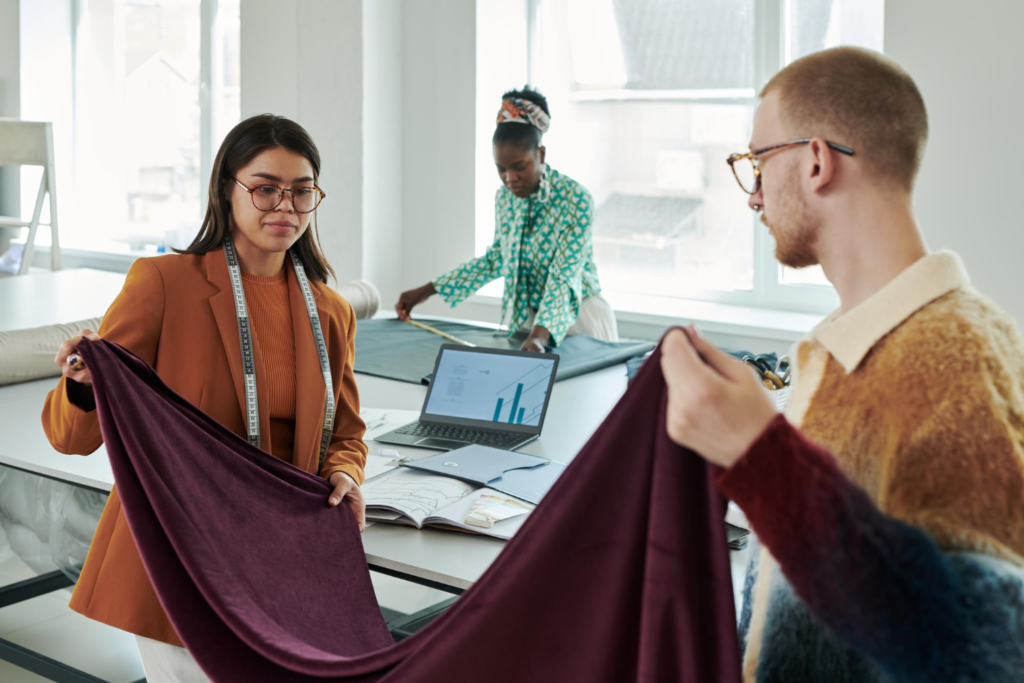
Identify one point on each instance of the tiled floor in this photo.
(403, 596)
(47, 625)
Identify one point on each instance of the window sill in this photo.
(645, 316)
(730, 95)
(653, 314)
(118, 262)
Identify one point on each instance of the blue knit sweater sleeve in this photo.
(919, 613)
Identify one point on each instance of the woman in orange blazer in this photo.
(178, 313)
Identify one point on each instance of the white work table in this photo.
(454, 559)
(48, 298)
(451, 559)
(444, 559)
(36, 300)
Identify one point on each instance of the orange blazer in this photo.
(177, 313)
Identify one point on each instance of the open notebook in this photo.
(419, 499)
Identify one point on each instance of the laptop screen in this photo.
(496, 387)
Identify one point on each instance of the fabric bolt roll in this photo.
(28, 354)
(364, 297)
(264, 581)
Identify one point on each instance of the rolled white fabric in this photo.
(364, 297)
(596, 319)
(28, 354)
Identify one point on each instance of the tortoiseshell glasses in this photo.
(747, 167)
(269, 197)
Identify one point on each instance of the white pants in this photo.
(596, 319)
(164, 663)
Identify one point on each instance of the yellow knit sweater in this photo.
(919, 393)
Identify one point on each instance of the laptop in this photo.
(490, 397)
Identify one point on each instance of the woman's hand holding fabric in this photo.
(345, 488)
(70, 347)
(537, 341)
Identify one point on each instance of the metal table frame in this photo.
(401, 625)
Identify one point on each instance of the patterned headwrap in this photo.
(518, 110)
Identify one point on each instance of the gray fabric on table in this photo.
(396, 350)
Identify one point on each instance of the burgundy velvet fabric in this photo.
(621, 574)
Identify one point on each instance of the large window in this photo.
(648, 98)
(155, 88)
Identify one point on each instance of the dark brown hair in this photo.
(245, 141)
(860, 99)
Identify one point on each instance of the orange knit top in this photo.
(270, 315)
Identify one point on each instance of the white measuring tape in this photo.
(245, 340)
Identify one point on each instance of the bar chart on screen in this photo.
(497, 388)
(522, 395)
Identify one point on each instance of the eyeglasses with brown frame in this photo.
(269, 197)
(746, 168)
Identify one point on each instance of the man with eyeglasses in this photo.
(889, 500)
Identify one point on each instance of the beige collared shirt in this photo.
(850, 337)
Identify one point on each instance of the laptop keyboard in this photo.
(478, 436)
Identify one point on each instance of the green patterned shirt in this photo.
(543, 247)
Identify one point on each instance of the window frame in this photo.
(769, 291)
(210, 95)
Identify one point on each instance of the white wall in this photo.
(305, 61)
(382, 146)
(966, 58)
(439, 143)
(438, 133)
(9, 62)
(47, 94)
(10, 102)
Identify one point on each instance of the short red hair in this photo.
(861, 99)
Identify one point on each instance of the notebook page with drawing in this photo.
(412, 498)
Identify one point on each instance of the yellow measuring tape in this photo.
(447, 336)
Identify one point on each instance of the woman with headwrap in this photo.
(543, 242)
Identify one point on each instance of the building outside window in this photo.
(155, 88)
(648, 98)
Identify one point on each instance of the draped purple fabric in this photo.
(621, 574)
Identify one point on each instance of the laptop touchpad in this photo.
(440, 444)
